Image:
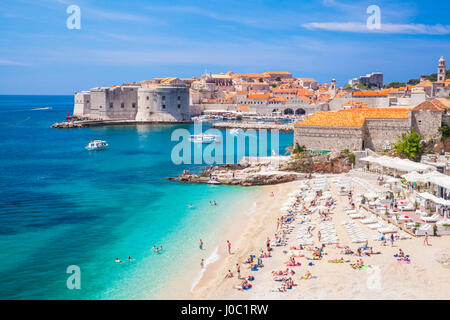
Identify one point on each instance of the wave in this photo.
(214, 256)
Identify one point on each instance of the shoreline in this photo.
(247, 217)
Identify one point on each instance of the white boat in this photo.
(236, 131)
(203, 138)
(97, 145)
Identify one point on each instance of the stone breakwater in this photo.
(246, 173)
(254, 125)
(92, 123)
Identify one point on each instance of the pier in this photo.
(93, 123)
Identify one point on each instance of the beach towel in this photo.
(297, 264)
(363, 267)
(404, 261)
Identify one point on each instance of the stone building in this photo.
(372, 128)
(152, 103)
(374, 79)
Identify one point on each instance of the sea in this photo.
(67, 213)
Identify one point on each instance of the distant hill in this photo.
(432, 77)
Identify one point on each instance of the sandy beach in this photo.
(426, 277)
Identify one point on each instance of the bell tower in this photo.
(333, 88)
(441, 74)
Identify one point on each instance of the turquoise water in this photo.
(61, 205)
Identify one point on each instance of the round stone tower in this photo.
(441, 74)
(163, 103)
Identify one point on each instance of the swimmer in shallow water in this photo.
(130, 258)
(118, 260)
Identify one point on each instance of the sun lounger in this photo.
(368, 221)
(433, 218)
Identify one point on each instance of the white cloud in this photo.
(5, 62)
(385, 28)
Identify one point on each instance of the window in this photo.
(179, 98)
(122, 105)
(179, 106)
(148, 97)
(110, 105)
(163, 106)
(163, 98)
(133, 105)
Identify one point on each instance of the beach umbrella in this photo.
(392, 180)
(370, 195)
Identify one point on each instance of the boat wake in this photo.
(214, 256)
(45, 108)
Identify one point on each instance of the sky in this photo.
(134, 40)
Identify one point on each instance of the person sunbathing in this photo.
(347, 251)
(289, 283)
(340, 260)
(229, 275)
(292, 260)
(307, 275)
(280, 278)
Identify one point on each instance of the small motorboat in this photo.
(203, 138)
(236, 131)
(97, 145)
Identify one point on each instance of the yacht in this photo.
(97, 145)
(203, 138)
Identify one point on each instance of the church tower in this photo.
(333, 88)
(441, 74)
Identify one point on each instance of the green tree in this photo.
(351, 158)
(298, 148)
(445, 131)
(395, 85)
(408, 145)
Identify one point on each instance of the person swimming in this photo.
(118, 260)
(130, 259)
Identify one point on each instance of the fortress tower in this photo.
(441, 74)
(163, 103)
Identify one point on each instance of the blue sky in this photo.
(125, 41)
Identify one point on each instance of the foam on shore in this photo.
(214, 256)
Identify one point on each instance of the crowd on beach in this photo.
(310, 203)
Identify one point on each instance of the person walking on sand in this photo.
(238, 270)
(319, 235)
(425, 240)
(392, 239)
(200, 244)
(202, 264)
(229, 247)
(268, 244)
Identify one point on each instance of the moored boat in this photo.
(97, 145)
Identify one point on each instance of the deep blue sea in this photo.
(61, 205)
